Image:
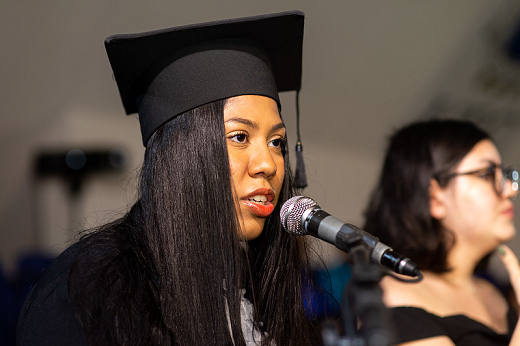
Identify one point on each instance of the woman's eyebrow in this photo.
(278, 126)
(246, 122)
(254, 125)
(491, 161)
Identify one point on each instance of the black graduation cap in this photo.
(164, 73)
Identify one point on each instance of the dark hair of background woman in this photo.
(398, 211)
(169, 270)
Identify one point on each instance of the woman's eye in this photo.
(486, 175)
(239, 138)
(278, 143)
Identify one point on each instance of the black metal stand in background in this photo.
(361, 302)
(73, 166)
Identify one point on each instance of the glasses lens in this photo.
(512, 175)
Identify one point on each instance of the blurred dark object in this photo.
(75, 164)
(513, 45)
(14, 289)
(331, 281)
(8, 307)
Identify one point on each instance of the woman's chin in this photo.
(252, 229)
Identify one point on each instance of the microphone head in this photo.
(292, 211)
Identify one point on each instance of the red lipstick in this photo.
(260, 209)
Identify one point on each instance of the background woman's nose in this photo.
(510, 188)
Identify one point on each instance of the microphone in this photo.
(302, 216)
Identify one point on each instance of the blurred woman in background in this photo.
(444, 199)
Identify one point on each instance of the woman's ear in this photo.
(437, 205)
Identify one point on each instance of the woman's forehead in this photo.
(483, 152)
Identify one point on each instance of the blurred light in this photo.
(118, 158)
(76, 159)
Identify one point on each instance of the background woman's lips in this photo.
(510, 212)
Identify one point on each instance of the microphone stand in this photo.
(361, 300)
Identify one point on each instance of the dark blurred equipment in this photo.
(76, 164)
(73, 166)
(513, 45)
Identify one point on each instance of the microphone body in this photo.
(301, 216)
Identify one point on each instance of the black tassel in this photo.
(300, 176)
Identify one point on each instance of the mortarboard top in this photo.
(162, 74)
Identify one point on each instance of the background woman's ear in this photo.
(437, 205)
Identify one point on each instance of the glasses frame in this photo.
(508, 173)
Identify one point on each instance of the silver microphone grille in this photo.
(292, 211)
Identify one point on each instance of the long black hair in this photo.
(398, 211)
(171, 270)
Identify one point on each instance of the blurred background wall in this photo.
(369, 67)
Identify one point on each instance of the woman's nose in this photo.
(510, 189)
(262, 162)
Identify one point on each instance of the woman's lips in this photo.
(259, 202)
(510, 212)
(261, 210)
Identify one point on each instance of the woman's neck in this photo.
(462, 260)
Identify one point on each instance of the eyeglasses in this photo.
(490, 174)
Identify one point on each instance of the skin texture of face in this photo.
(255, 136)
(469, 206)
